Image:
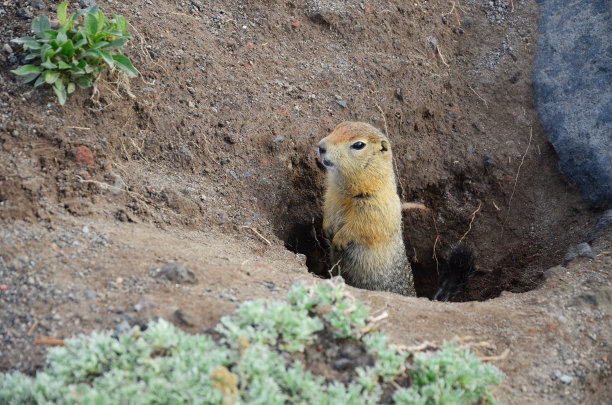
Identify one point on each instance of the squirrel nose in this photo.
(322, 150)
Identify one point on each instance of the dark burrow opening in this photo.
(505, 260)
(511, 252)
(515, 272)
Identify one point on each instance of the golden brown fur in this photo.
(362, 215)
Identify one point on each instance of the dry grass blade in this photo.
(258, 234)
(441, 56)
(478, 95)
(518, 171)
(502, 356)
(374, 322)
(418, 348)
(414, 206)
(473, 216)
(49, 341)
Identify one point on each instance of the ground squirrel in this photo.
(362, 214)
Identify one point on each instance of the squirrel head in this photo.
(358, 158)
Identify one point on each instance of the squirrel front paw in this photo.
(340, 241)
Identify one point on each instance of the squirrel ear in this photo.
(384, 146)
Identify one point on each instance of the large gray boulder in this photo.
(572, 83)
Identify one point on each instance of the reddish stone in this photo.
(84, 155)
(296, 23)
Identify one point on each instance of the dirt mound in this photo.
(212, 164)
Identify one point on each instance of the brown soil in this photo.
(209, 159)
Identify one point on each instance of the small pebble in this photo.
(489, 161)
(118, 186)
(87, 3)
(433, 42)
(37, 4)
(184, 318)
(24, 13)
(121, 329)
(176, 272)
(579, 250)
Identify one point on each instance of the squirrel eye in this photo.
(358, 145)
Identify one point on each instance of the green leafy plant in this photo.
(252, 360)
(85, 44)
(449, 376)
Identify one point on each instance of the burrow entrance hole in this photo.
(506, 260)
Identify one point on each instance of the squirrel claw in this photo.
(339, 244)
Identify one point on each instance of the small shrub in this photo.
(251, 362)
(449, 376)
(85, 44)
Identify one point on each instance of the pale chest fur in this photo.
(372, 256)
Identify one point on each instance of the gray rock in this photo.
(176, 272)
(433, 42)
(197, 4)
(90, 295)
(566, 379)
(231, 173)
(87, 3)
(301, 258)
(579, 250)
(25, 13)
(118, 186)
(231, 138)
(605, 220)
(222, 217)
(327, 12)
(121, 329)
(145, 303)
(184, 318)
(489, 161)
(400, 93)
(572, 84)
(37, 4)
(7, 49)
